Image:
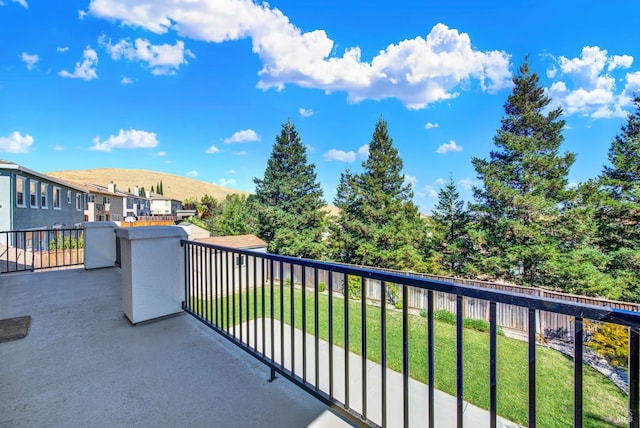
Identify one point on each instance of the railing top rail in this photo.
(575, 309)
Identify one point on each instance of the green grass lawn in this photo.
(604, 404)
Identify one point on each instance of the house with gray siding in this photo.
(31, 200)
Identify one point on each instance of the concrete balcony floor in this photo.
(83, 364)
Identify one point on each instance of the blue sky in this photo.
(201, 88)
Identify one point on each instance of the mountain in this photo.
(174, 186)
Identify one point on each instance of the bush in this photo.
(321, 287)
(472, 323)
(423, 313)
(66, 242)
(354, 287)
(610, 341)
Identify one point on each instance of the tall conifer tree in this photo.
(618, 216)
(451, 221)
(288, 200)
(379, 225)
(524, 185)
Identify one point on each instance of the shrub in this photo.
(610, 341)
(66, 242)
(423, 313)
(321, 287)
(472, 323)
(398, 304)
(354, 287)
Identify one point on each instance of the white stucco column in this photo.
(152, 263)
(99, 244)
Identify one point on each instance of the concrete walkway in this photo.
(445, 404)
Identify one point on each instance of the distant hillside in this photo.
(174, 186)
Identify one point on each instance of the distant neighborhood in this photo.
(31, 200)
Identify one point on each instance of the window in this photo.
(33, 193)
(78, 201)
(69, 197)
(106, 199)
(44, 188)
(57, 203)
(21, 187)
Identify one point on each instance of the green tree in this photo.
(453, 247)
(143, 193)
(524, 186)
(379, 225)
(288, 200)
(618, 216)
(235, 218)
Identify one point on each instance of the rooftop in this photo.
(84, 364)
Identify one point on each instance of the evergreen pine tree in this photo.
(288, 200)
(524, 186)
(379, 224)
(453, 247)
(618, 216)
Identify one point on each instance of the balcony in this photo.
(83, 363)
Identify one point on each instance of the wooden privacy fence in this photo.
(511, 317)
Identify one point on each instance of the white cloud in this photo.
(231, 171)
(340, 156)
(431, 192)
(408, 179)
(416, 71)
(161, 154)
(225, 183)
(240, 153)
(430, 125)
(451, 146)
(58, 148)
(588, 87)
(306, 112)
(126, 81)
(439, 181)
(466, 183)
(86, 69)
(161, 59)
(129, 139)
(363, 151)
(62, 49)
(30, 60)
(16, 143)
(23, 3)
(244, 136)
(212, 149)
(192, 173)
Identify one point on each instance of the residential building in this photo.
(163, 205)
(103, 204)
(31, 200)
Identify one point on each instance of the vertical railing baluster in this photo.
(226, 297)
(237, 266)
(532, 368)
(431, 365)
(216, 284)
(577, 373)
(304, 324)
(383, 350)
(346, 341)
(330, 288)
(316, 329)
(263, 264)
(363, 326)
(255, 303)
(459, 361)
(209, 284)
(233, 294)
(271, 315)
(248, 301)
(405, 355)
(293, 320)
(185, 252)
(634, 375)
(493, 378)
(281, 315)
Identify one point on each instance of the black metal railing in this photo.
(29, 250)
(379, 362)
